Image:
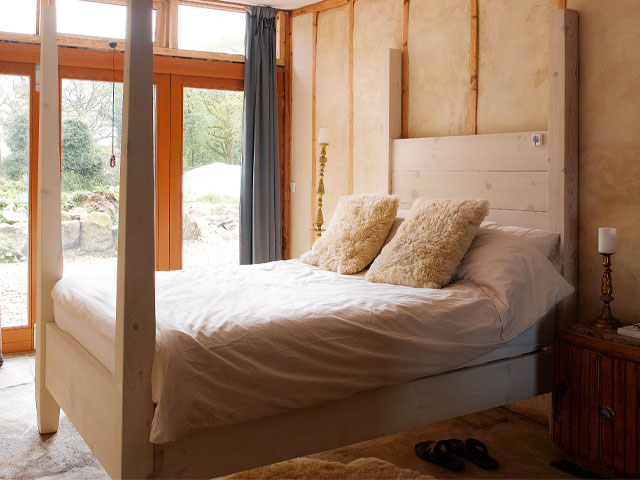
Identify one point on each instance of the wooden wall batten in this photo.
(472, 114)
(314, 74)
(405, 70)
(350, 160)
(563, 145)
(49, 235)
(135, 298)
(390, 111)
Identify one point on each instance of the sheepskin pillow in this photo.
(355, 235)
(429, 244)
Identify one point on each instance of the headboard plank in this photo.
(494, 152)
(505, 190)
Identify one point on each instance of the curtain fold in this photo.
(260, 229)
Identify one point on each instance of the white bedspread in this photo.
(251, 341)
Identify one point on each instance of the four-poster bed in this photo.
(528, 185)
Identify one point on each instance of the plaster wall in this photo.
(513, 96)
(377, 26)
(332, 104)
(301, 94)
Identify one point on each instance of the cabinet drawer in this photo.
(596, 405)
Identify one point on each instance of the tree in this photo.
(81, 165)
(16, 165)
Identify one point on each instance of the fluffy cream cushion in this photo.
(429, 244)
(355, 235)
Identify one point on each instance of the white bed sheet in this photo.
(246, 342)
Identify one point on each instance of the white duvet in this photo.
(251, 341)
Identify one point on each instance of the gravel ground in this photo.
(216, 247)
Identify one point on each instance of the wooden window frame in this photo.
(171, 74)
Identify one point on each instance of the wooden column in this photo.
(49, 236)
(472, 115)
(563, 146)
(405, 69)
(390, 111)
(135, 311)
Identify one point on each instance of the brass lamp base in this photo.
(606, 320)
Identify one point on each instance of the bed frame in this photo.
(527, 185)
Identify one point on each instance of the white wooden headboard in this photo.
(526, 185)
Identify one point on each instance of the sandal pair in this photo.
(445, 453)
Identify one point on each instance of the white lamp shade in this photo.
(607, 240)
(323, 135)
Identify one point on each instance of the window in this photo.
(18, 16)
(210, 30)
(78, 17)
(14, 199)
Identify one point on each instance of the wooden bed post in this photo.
(135, 310)
(563, 148)
(49, 247)
(390, 111)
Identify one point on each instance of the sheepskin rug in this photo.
(355, 235)
(307, 468)
(429, 245)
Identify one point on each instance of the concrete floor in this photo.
(523, 447)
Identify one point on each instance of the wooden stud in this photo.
(350, 159)
(314, 35)
(319, 7)
(49, 235)
(562, 3)
(135, 298)
(405, 70)
(286, 177)
(472, 113)
(563, 147)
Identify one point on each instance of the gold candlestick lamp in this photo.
(324, 141)
(607, 247)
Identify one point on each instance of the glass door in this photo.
(16, 165)
(211, 163)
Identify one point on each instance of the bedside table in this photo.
(596, 399)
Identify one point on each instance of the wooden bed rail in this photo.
(135, 304)
(49, 236)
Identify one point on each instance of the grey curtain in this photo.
(260, 237)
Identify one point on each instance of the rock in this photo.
(64, 215)
(190, 229)
(95, 232)
(16, 237)
(114, 234)
(70, 234)
(12, 215)
(77, 213)
(99, 202)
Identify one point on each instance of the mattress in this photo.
(250, 341)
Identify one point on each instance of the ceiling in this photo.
(289, 4)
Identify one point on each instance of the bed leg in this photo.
(48, 409)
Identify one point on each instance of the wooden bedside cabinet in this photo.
(596, 399)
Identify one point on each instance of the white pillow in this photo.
(547, 242)
(519, 279)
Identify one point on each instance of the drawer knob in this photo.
(607, 413)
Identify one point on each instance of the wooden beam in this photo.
(472, 113)
(563, 146)
(562, 3)
(49, 236)
(314, 35)
(172, 23)
(319, 7)
(135, 298)
(286, 178)
(405, 70)
(350, 159)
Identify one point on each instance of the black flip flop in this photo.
(440, 454)
(473, 450)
